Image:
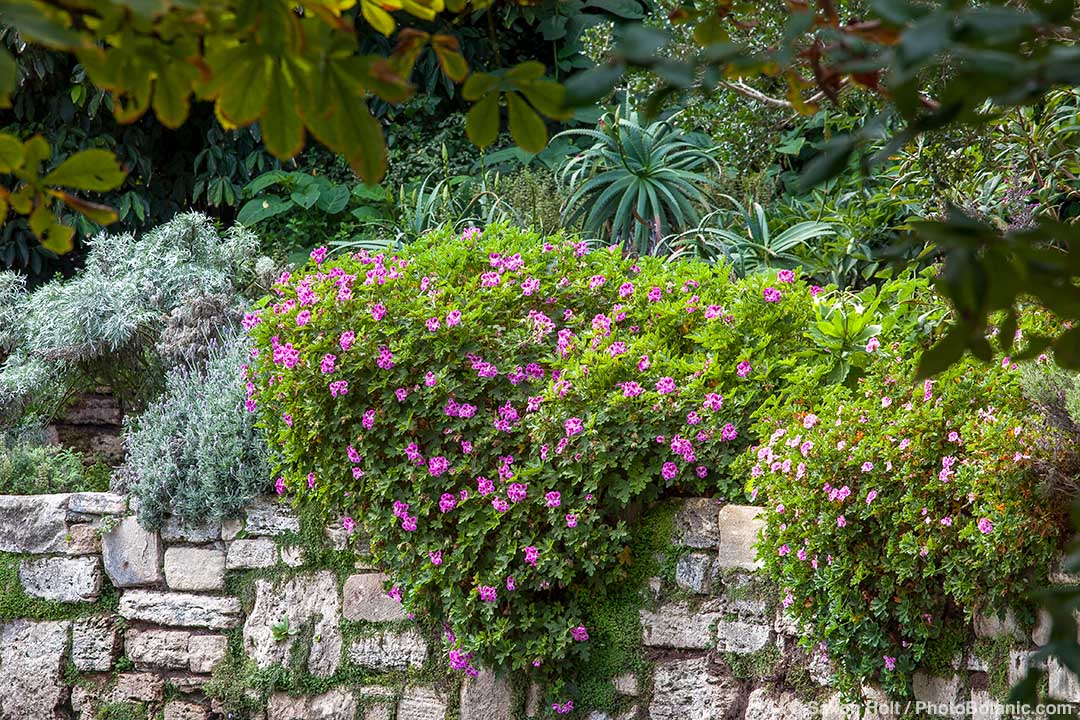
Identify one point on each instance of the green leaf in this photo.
(282, 129)
(548, 97)
(267, 179)
(526, 127)
(11, 153)
(172, 89)
(9, 78)
(334, 200)
(482, 120)
(42, 26)
(625, 9)
(259, 209)
(101, 214)
(479, 85)
(58, 238)
(828, 164)
(307, 196)
(592, 85)
(243, 91)
(88, 170)
(337, 113)
(943, 354)
(368, 192)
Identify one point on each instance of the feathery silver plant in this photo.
(195, 453)
(103, 324)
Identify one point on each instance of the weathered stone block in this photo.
(132, 555)
(189, 568)
(1040, 634)
(97, 503)
(627, 684)
(250, 554)
(138, 687)
(675, 625)
(694, 571)
(62, 579)
(684, 689)
(173, 530)
(363, 598)
(33, 523)
(738, 527)
(769, 703)
(230, 528)
(1063, 683)
(270, 517)
(991, 626)
(421, 702)
(1019, 663)
(83, 539)
(292, 556)
(206, 651)
(95, 643)
(1059, 575)
(933, 689)
(157, 648)
(187, 683)
(379, 701)
(741, 637)
(31, 661)
(486, 697)
(183, 710)
(985, 706)
(93, 409)
(337, 704)
(695, 524)
(180, 609)
(389, 650)
(303, 598)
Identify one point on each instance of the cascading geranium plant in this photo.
(489, 406)
(895, 511)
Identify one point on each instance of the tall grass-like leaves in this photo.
(754, 249)
(636, 184)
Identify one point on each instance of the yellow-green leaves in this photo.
(446, 47)
(377, 12)
(292, 66)
(11, 153)
(87, 170)
(528, 95)
(448, 51)
(282, 127)
(35, 195)
(338, 115)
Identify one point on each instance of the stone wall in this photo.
(132, 624)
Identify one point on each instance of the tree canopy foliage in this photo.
(308, 68)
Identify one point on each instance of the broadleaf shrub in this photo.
(893, 512)
(493, 407)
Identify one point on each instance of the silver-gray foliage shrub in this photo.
(195, 453)
(103, 324)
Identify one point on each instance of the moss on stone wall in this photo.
(612, 614)
(16, 604)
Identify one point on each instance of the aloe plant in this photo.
(753, 249)
(635, 184)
